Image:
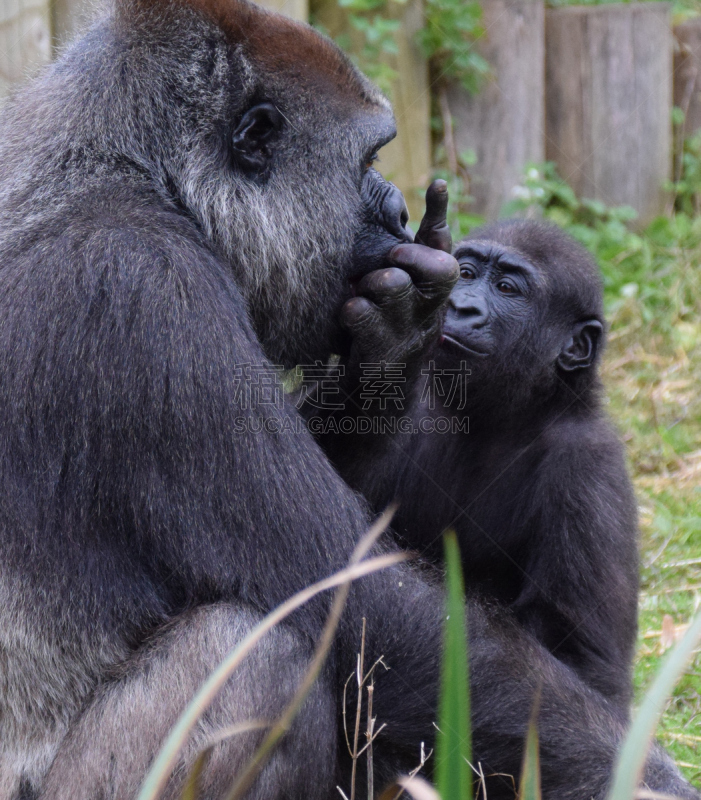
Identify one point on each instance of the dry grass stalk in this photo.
(371, 734)
(424, 756)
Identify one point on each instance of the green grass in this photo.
(652, 372)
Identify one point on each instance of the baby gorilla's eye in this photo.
(373, 158)
(467, 272)
(506, 287)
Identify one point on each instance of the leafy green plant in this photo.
(686, 189)
(376, 39)
(451, 28)
(447, 37)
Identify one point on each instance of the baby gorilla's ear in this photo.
(580, 350)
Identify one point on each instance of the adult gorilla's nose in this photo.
(396, 215)
(387, 205)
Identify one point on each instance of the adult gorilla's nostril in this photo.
(395, 213)
(386, 203)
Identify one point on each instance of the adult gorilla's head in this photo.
(270, 149)
(526, 315)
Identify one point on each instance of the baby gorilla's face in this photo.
(493, 309)
(508, 328)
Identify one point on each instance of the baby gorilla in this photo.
(537, 491)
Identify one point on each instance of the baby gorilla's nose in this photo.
(470, 311)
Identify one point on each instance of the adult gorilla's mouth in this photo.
(449, 343)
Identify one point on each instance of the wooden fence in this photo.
(588, 87)
(25, 39)
(609, 101)
(504, 123)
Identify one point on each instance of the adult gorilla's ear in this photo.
(581, 348)
(258, 129)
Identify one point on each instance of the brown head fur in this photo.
(275, 44)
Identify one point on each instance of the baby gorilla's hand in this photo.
(397, 312)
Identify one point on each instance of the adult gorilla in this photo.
(179, 200)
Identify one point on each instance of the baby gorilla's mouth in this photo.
(447, 342)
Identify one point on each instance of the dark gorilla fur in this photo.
(179, 196)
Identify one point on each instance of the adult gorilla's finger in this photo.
(385, 285)
(434, 231)
(433, 272)
(357, 314)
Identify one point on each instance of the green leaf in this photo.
(678, 116)
(361, 5)
(529, 785)
(453, 744)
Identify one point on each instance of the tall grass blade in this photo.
(453, 743)
(631, 759)
(529, 785)
(191, 790)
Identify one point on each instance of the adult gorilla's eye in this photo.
(506, 287)
(467, 272)
(370, 161)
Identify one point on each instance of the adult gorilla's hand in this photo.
(397, 311)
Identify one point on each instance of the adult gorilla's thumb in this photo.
(434, 231)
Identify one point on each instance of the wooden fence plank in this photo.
(609, 100)
(505, 123)
(71, 17)
(25, 40)
(296, 9)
